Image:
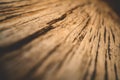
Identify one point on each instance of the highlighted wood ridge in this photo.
(59, 40)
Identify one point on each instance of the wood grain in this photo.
(59, 40)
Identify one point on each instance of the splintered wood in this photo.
(59, 40)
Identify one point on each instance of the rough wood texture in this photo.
(58, 40)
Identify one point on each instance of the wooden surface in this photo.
(59, 40)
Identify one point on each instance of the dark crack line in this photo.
(115, 70)
(87, 71)
(28, 39)
(64, 15)
(3, 9)
(105, 34)
(109, 54)
(65, 57)
(28, 76)
(11, 2)
(82, 30)
(18, 15)
(106, 70)
(96, 59)
(113, 36)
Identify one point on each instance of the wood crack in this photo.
(106, 68)
(58, 40)
(34, 69)
(115, 70)
(96, 59)
(109, 54)
(25, 41)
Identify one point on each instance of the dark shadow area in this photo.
(115, 4)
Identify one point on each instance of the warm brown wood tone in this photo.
(58, 40)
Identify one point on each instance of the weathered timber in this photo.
(59, 40)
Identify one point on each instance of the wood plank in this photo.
(59, 40)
